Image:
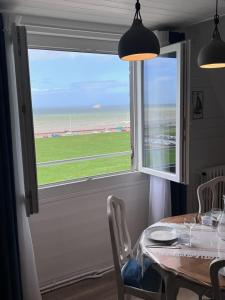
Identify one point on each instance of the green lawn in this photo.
(160, 158)
(59, 148)
(50, 174)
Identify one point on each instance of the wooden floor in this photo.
(103, 288)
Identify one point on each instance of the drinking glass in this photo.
(215, 214)
(189, 223)
(221, 224)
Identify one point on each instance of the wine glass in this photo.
(189, 223)
(215, 215)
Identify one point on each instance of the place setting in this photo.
(162, 237)
(194, 237)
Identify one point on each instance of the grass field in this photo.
(160, 159)
(48, 149)
(81, 169)
(69, 147)
(59, 148)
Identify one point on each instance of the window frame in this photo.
(182, 115)
(60, 40)
(56, 38)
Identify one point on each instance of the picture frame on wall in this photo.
(197, 105)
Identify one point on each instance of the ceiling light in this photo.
(212, 56)
(138, 43)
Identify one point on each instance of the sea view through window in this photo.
(81, 113)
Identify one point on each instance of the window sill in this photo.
(91, 185)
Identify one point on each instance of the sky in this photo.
(71, 79)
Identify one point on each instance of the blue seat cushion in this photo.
(132, 275)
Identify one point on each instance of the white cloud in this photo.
(46, 55)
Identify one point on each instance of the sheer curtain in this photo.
(159, 199)
(29, 277)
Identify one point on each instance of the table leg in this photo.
(171, 287)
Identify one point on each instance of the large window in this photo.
(78, 121)
(81, 114)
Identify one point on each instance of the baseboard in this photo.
(75, 279)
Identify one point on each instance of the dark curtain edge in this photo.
(11, 283)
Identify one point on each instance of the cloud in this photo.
(108, 86)
(37, 90)
(46, 55)
(83, 94)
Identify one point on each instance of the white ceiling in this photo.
(155, 13)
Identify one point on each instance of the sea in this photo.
(81, 120)
(66, 120)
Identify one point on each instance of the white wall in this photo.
(207, 135)
(71, 235)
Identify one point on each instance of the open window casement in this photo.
(25, 118)
(162, 88)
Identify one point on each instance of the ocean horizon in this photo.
(86, 118)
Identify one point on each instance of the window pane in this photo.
(160, 94)
(81, 109)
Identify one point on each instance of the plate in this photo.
(222, 271)
(162, 234)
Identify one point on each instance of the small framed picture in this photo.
(197, 104)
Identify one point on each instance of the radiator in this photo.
(206, 175)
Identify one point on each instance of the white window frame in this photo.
(182, 113)
(84, 42)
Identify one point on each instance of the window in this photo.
(162, 114)
(80, 109)
(81, 114)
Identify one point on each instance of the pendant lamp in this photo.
(212, 55)
(138, 43)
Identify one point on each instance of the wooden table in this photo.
(189, 272)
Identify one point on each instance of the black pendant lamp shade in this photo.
(212, 56)
(138, 43)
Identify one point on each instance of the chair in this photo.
(213, 185)
(124, 261)
(215, 266)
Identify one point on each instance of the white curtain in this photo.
(159, 199)
(29, 276)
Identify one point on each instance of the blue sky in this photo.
(66, 79)
(62, 79)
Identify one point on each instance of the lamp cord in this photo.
(137, 13)
(216, 34)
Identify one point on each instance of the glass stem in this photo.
(190, 236)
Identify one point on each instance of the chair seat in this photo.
(132, 275)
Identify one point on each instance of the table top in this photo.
(193, 269)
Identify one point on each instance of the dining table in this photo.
(182, 271)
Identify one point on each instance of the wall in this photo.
(71, 235)
(207, 135)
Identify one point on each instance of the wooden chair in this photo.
(122, 251)
(211, 187)
(215, 266)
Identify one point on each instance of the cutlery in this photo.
(161, 246)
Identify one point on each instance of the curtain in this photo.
(29, 279)
(178, 198)
(10, 280)
(159, 199)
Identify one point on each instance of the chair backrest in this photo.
(215, 266)
(120, 238)
(212, 188)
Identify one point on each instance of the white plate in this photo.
(222, 271)
(162, 234)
